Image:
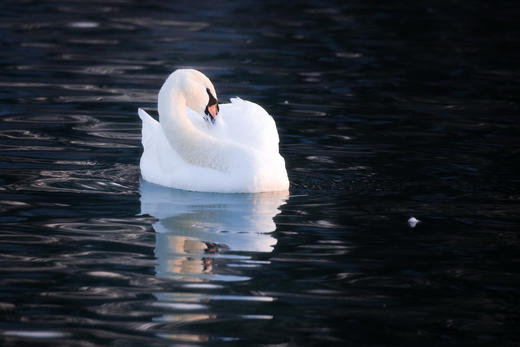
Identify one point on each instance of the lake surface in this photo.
(385, 110)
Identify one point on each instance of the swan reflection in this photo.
(194, 228)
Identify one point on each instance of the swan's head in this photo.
(199, 92)
(212, 108)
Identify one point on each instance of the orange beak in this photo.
(213, 110)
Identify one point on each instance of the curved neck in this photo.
(194, 146)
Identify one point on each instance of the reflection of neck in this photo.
(194, 146)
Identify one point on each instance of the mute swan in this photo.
(194, 147)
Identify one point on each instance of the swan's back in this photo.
(242, 122)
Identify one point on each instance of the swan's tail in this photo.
(149, 126)
(145, 117)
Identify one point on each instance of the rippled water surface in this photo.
(385, 110)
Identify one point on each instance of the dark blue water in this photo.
(385, 110)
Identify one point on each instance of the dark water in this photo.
(385, 110)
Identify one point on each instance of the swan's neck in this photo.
(194, 146)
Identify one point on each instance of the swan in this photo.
(200, 145)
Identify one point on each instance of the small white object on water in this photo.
(412, 222)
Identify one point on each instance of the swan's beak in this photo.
(212, 111)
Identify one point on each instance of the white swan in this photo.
(234, 152)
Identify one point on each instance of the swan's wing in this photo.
(248, 124)
(242, 122)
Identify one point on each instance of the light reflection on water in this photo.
(196, 232)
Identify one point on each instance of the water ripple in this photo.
(118, 180)
(49, 118)
(35, 334)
